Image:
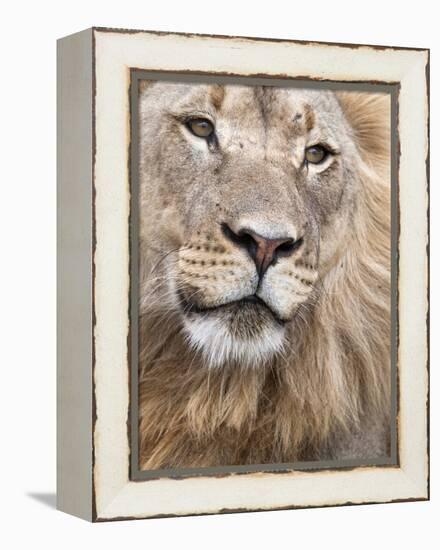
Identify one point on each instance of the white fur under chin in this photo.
(211, 337)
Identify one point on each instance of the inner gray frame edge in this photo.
(135, 474)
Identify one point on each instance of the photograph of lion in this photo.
(264, 275)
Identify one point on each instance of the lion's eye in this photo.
(316, 154)
(200, 127)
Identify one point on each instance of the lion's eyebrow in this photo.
(305, 121)
(217, 94)
(309, 117)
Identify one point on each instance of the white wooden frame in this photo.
(94, 279)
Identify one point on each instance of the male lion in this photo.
(264, 275)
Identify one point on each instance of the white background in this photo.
(27, 166)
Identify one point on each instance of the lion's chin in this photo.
(246, 336)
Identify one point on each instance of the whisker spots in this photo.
(302, 280)
(305, 265)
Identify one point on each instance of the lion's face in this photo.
(246, 197)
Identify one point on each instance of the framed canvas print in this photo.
(243, 274)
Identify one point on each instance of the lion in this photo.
(264, 275)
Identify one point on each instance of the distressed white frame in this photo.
(115, 496)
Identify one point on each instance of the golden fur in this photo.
(325, 394)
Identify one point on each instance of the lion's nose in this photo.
(264, 251)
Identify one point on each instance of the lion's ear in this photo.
(144, 84)
(369, 115)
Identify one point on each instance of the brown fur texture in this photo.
(322, 390)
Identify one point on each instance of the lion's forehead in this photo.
(272, 104)
(240, 109)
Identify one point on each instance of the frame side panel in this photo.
(74, 274)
